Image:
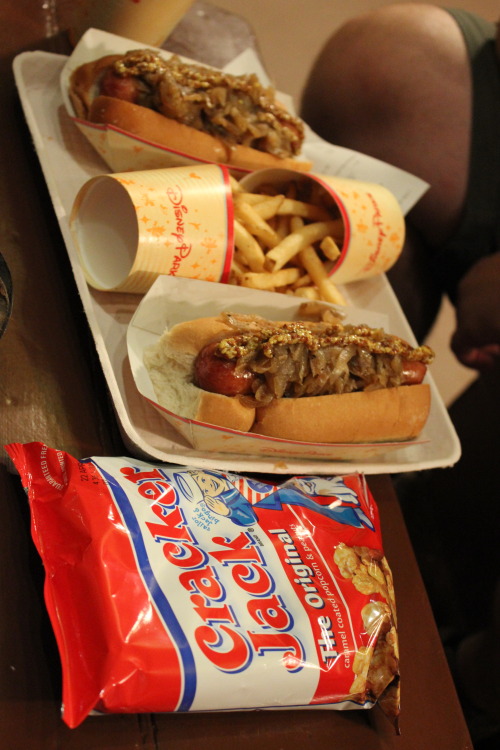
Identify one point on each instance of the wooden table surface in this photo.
(52, 390)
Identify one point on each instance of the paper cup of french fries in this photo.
(129, 228)
(275, 230)
(304, 234)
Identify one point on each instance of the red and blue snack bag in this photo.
(173, 588)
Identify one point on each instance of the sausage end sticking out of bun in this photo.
(162, 102)
(357, 385)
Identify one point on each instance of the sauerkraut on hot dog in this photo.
(199, 111)
(323, 382)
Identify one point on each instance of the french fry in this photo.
(268, 281)
(330, 248)
(282, 227)
(278, 205)
(313, 264)
(306, 211)
(319, 276)
(248, 247)
(304, 280)
(300, 238)
(254, 198)
(268, 205)
(238, 269)
(317, 271)
(235, 185)
(310, 292)
(254, 223)
(318, 311)
(330, 293)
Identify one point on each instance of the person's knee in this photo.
(376, 66)
(394, 83)
(340, 80)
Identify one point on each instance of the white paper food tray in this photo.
(173, 300)
(68, 161)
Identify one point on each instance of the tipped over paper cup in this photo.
(372, 222)
(129, 228)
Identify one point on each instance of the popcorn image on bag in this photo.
(202, 581)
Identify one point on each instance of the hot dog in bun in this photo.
(322, 382)
(199, 111)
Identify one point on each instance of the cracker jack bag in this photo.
(180, 589)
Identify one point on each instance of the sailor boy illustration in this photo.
(223, 495)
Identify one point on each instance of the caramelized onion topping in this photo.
(235, 109)
(309, 359)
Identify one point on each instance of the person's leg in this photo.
(395, 83)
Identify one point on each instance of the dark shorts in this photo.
(479, 231)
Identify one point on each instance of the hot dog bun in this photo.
(382, 415)
(170, 365)
(154, 127)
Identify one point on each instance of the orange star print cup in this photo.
(374, 229)
(373, 224)
(131, 227)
